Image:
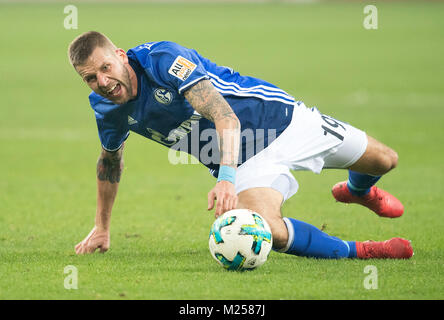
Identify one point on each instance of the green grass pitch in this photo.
(388, 82)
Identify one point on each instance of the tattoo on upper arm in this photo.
(208, 102)
(110, 166)
(211, 104)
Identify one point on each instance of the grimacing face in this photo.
(106, 73)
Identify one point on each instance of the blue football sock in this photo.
(359, 184)
(308, 241)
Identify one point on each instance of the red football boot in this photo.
(377, 200)
(395, 248)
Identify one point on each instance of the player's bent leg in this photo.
(308, 241)
(305, 240)
(267, 202)
(377, 160)
(295, 237)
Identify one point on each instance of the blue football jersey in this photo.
(160, 112)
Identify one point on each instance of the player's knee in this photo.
(381, 161)
(394, 159)
(378, 159)
(279, 232)
(388, 161)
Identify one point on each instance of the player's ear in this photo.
(122, 55)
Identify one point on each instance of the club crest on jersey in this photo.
(163, 96)
(182, 68)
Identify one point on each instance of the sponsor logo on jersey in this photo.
(182, 68)
(176, 134)
(163, 96)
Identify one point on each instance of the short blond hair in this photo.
(82, 46)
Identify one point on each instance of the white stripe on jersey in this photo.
(253, 89)
(247, 94)
(249, 88)
(259, 91)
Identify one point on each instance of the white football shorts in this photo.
(312, 141)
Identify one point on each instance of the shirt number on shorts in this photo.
(333, 124)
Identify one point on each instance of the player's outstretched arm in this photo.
(206, 100)
(109, 171)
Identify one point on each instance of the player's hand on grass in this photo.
(225, 195)
(96, 239)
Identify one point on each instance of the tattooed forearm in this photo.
(110, 166)
(209, 103)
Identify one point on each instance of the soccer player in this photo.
(248, 132)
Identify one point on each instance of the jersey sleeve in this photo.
(176, 67)
(112, 126)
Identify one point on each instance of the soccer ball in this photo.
(240, 239)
